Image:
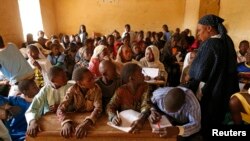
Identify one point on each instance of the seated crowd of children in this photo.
(107, 75)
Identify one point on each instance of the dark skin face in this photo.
(55, 50)
(126, 54)
(32, 90)
(87, 54)
(59, 80)
(149, 55)
(204, 32)
(111, 40)
(243, 48)
(88, 81)
(34, 54)
(107, 71)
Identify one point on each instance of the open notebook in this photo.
(151, 72)
(164, 122)
(127, 117)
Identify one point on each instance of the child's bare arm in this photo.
(113, 105)
(33, 128)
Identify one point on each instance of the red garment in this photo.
(117, 44)
(94, 67)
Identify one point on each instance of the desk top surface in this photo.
(50, 127)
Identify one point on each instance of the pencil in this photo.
(158, 123)
(117, 114)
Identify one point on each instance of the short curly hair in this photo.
(78, 73)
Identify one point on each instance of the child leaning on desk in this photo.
(132, 95)
(84, 96)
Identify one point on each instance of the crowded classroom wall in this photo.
(103, 16)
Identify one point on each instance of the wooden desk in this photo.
(156, 82)
(51, 128)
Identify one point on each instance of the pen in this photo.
(117, 114)
(158, 123)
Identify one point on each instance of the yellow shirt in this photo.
(246, 106)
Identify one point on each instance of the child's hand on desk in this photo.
(116, 120)
(67, 130)
(159, 78)
(168, 131)
(154, 116)
(33, 128)
(137, 125)
(82, 129)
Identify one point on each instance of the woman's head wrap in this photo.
(214, 21)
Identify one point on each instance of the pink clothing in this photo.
(94, 67)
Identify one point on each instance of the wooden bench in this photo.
(51, 128)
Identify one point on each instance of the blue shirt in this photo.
(189, 114)
(13, 65)
(243, 67)
(56, 60)
(167, 36)
(17, 125)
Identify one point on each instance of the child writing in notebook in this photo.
(84, 96)
(48, 99)
(132, 95)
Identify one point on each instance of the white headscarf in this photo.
(156, 63)
(98, 50)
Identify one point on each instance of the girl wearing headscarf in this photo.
(124, 56)
(151, 60)
(214, 66)
(100, 53)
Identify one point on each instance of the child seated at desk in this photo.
(84, 96)
(245, 66)
(240, 108)
(132, 95)
(17, 106)
(151, 60)
(182, 108)
(48, 99)
(108, 82)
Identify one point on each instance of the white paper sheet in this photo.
(151, 72)
(164, 122)
(127, 117)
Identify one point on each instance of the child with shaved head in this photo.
(181, 105)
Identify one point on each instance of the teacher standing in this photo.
(215, 68)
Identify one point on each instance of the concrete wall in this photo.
(237, 19)
(209, 7)
(48, 17)
(10, 22)
(191, 15)
(106, 15)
